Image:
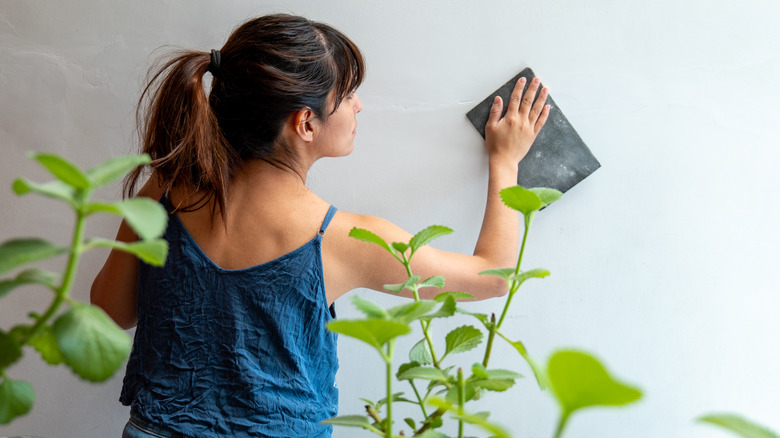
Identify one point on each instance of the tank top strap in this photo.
(325, 222)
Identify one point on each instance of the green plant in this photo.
(82, 337)
(576, 379)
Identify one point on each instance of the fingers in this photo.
(538, 106)
(542, 119)
(514, 98)
(495, 111)
(528, 97)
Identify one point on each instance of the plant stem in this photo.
(438, 413)
(515, 284)
(461, 401)
(561, 425)
(424, 328)
(389, 417)
(419, 399)
(491, 335)
(63, 291)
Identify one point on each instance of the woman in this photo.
(231, 337)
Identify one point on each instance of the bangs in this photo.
(346, 61)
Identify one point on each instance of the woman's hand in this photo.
(508, 139)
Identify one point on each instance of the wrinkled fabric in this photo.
(238, 353)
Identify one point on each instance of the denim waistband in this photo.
(152, 428)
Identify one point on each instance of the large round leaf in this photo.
(91, 344)
(580, 381)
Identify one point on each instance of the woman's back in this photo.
(233, 352)
(269, 214)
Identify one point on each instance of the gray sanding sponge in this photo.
(558, 158)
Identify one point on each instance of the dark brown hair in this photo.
(270, 67)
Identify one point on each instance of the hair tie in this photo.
(216, 59)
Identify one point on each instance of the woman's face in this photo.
(338, 133)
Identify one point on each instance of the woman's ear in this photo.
(303, 124)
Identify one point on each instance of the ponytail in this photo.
(179, 130)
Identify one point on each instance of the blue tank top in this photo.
(233, 353)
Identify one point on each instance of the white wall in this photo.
(664, 262)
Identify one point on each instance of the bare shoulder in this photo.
(351, 263)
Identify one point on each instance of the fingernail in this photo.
(544, 90)
(536, 80)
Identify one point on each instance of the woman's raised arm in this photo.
(350, 263)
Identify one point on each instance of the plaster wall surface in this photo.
(664, 262)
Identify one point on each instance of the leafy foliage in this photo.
(440, 389)
(82, 337)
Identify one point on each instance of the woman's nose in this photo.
(357, 104)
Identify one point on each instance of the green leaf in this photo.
(446, 310)
(409, 312)
(29, 276)
(406, 366)
(478, 371)
(115, 168)
(533, 273)
(425, 236)
(580, 381)
(46, 344)
(63, 170)
(410, 422)
(442, 297)
(368, 236)
(505, 273)
(375, 332)
(739, 425)
(16, 399)
(399, 287)
(521, 199)
(400, 247)
(10, 350)
(471, 392)
(483, 318)
(420, 353)
(153, 252)
(145, 216)
(425, 373)
(349, 421)
(493, 380)
(430, 433)
(51, 189)
(498, 385)
(463, 338)
(397, 397)
(369, 309)
(18, 252)
(91, 344)
(435, 281)
(547, 196)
